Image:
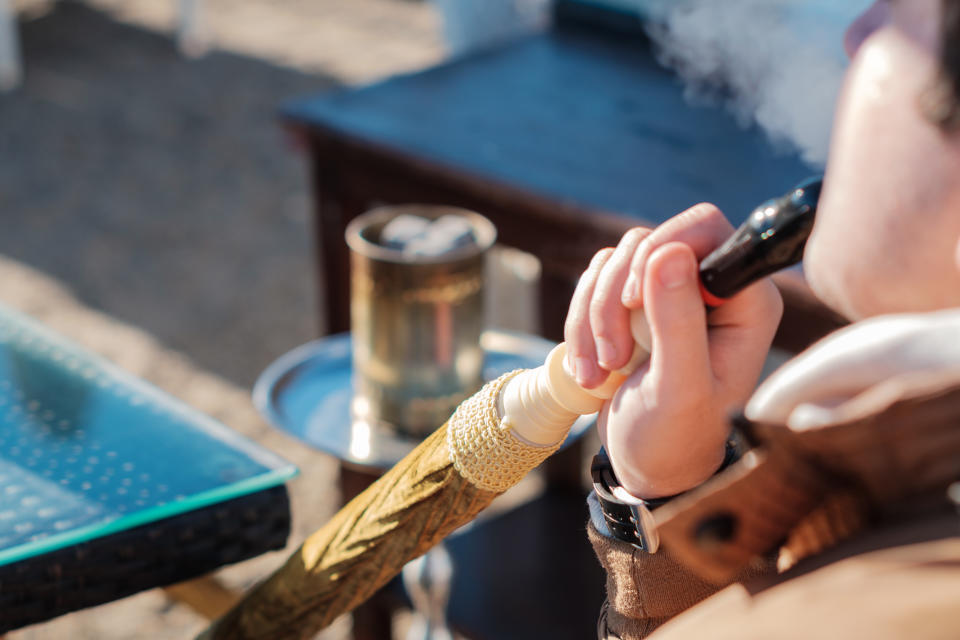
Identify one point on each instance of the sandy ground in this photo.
(151, 210)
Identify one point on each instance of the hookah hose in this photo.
(492, 440)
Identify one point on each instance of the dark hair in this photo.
(942, 102)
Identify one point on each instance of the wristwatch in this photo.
(629, 518)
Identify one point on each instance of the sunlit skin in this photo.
(887, 238)
(887, 232)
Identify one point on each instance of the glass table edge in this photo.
(212, 426)
(269, 480)
(278, 470)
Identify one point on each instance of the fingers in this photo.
(680, 360)
(702, 227)
(581, 348)
(741, 331)
(609, 319)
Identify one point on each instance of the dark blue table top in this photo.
(580, 116)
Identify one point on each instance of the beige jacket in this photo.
(845, 530)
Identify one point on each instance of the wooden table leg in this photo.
(205, 595)
(334, 208)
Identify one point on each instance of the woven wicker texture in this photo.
(161, 553)
(483, 449)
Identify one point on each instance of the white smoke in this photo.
(778, 63)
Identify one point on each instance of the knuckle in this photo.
(585, 278)
(568, 332)
(766, 298)
(592, 271)
(600, 258)
(643, 251)
(572, 327)
(575, 318)
(635, 235)
(705, 210)
(708, 216)
(774, 304)
(575, 311)
(599, 306)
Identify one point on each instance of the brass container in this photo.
(416, 323)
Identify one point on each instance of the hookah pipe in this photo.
(491, 441)
(541, 404)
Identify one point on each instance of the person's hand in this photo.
(666, 427)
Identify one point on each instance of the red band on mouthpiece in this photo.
(710, 299)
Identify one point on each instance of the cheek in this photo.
(834, 268)
(884, 213)
(901, 259)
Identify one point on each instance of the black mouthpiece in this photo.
(772, 238)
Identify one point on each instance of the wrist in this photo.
(657, 479)
(629, 518)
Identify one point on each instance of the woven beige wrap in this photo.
(482, 447)
(443, 484)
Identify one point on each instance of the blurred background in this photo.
(159, 187)
(152, 208)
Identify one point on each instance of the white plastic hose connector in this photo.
(540, 405)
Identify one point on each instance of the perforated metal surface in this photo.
(87, 450)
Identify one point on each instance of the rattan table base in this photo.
(154, 555)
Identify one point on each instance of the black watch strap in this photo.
(628, 518)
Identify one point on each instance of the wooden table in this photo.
(564, 140)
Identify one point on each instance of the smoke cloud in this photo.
(776, 63)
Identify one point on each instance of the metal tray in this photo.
(307, 392)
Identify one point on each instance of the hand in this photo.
(666, 427)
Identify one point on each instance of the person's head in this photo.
(887, 235)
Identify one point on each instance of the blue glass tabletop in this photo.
(87, 449)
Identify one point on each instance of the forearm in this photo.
(644, 590)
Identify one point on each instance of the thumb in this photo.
(680, 358)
